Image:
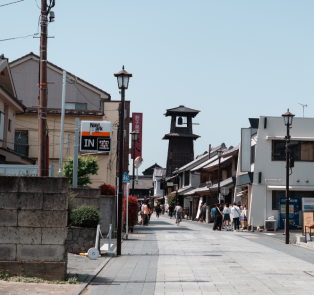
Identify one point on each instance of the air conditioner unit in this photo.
(271, 225)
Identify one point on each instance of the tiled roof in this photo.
(204, 163)
(230, 152)
(181, 109)
(215, 163)
(167, 136)
(199, 159)
(223, 183)
(143, 183)
(182, 190)
(153, 166)
(13, 97)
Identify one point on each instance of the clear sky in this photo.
(232, 60)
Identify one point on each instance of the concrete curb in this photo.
(91, 277)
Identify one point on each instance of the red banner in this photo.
(137, 123)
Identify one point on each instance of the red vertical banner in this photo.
(137, 123)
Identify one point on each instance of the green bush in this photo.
(84, 216)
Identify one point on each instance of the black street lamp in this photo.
(123, 83)
(288, 117)
(219, 153)
(134, 140)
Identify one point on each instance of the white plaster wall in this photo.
(301, 127)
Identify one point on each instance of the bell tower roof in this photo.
(181, 111)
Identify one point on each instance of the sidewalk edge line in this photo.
(91, 277)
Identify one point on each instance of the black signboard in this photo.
(104, 144)
(89, 143)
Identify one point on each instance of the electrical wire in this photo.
(11, 3)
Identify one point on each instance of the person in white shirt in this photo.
(226, 213)
(236, 212)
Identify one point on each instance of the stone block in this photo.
(70, 235)
(55, 201)
(56, 184)
(9, 184)
(31, 184)
(21, 201)
(86, 193)
(54, 236)
(47, 271)
(8, 218)
(7, 252)
(40, 253)
(20, 235)
(33, 218)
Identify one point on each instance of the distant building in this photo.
(9, 106)
(83, 100)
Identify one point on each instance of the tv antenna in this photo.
(303, 105)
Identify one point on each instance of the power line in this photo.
(11, 3)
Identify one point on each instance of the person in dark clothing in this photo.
(218, 217)
(170, 211)
(158, 210)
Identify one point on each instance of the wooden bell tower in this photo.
(181, 138)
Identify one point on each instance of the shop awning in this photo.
(223, 162)
(291, 187)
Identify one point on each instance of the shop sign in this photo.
(96, 136)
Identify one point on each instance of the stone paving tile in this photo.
(192, 259)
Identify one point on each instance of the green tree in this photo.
(87, 166)
(171, 199)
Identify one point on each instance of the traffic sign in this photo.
(126, 178)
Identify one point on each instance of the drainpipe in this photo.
(278, 180)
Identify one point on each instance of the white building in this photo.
(158, 175)
(261, 173)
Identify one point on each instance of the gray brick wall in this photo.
(33, 226)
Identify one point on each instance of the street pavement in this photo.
(192, 259)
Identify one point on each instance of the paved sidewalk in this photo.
(192, 259)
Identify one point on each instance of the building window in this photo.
(300, 150)
(293, 194)
(1, 126)
(21, 143)
(9, 125)
(161, 185)
(75, 106)
(186, 178)
(253, 154)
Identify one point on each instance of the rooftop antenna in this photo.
(303, 105)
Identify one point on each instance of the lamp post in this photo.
(288, 117)
(123, 83)
(134, 139)
(219, 153)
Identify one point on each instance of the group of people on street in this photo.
(177, 211)
(145, 211)
(222, 213)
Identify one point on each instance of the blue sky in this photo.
(231, 60)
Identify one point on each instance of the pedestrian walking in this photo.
(244, 217)
(158, 210)
(226, 213)
(146, 214)
(170, 211)
(212, 213)
(218, 217)
(236, 216)
(178, 210)
(200, 209)
(204, 212)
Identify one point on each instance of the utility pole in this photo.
(43, 93)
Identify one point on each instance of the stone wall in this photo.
(33, 226)
(107, 211)
(80, 239)
(86, 196)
